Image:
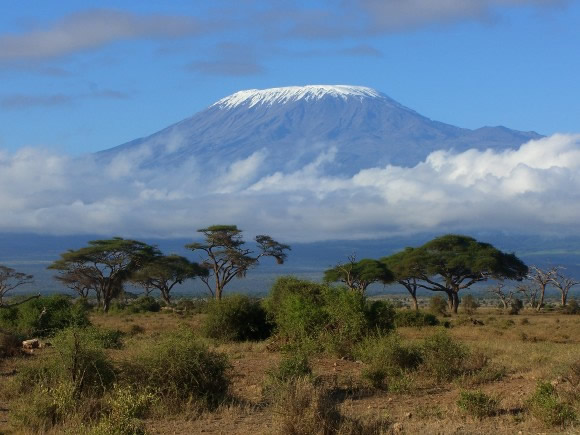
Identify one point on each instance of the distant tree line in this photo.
(446, 264)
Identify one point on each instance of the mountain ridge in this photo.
(291, 126)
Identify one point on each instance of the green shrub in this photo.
(546, 405)
(236, 318)
(515, 307)
(415, 318)
(125, 409)
(333, 317)
(143, 304)
(109, 338)
(387, 360)
(572, 307)
(193, 306)
(292, 367)
(303, 407)
(381, 315)
(443, 357)
(438, 305)
(477, 404)
(53, 389)
(43, 316)
(9, 344)
(179, 368)
(469, 304)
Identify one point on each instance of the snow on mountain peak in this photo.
(253, 97)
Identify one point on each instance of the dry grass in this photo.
(543, 347)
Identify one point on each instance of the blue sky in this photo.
(81, 76)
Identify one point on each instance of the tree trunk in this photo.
(564, 297)
(450, 302)
(106, 305)
(414, 303)
(455, 298)
(166, 297)
(218, 293)
(541, 301)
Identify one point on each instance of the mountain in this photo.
(289, 127)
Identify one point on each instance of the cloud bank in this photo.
(532, 189)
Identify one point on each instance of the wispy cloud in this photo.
(535, 189)
(90, 30)
(23, 101)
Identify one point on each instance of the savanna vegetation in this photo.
(310, 358)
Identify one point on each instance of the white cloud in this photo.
(92, 29)
(534, 189)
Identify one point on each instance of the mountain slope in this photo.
(289, 127)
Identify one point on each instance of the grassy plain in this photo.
(523, 350)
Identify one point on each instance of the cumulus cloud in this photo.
(534, 189)
(92, 29)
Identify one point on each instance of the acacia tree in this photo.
(358, 275)
(563, 284)
(227, 257)
(11, 279)
(165, 272)
(452, 263)
(104, 266)
(542, 279)
(406, 271)
(506, 297)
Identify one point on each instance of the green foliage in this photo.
(125, 407)
(103, 266)
(516, 306)
(179, 368)
(572, 307)
(236, 318)
(469, 304)
(227, 258)
(43, 316)
(443, 357)
(358, 275)
(416, 319)
(438, 305)
(333, 317)
(53, 389)
(144, 304)
(164, 272)
(477, 404)
(381, 315)
(9, 344)
(546, 405)
(387, 360)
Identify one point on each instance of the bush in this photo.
(53, 389)
(303, 408)
(335, 318)
(290, 369)
(416, 319)
(193, 306)
(236, 318)
(125, 408)
(179, 368)
(572, 307)
(43, 316)
(469, 304)
(381, 315)
(515, 307)
(143, 304)
(438, 305)
(10, 344)
(387, 359)
(477, 404)
(546, 405)
(443, 357)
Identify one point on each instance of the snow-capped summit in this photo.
(284, 129)
(253, 97)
